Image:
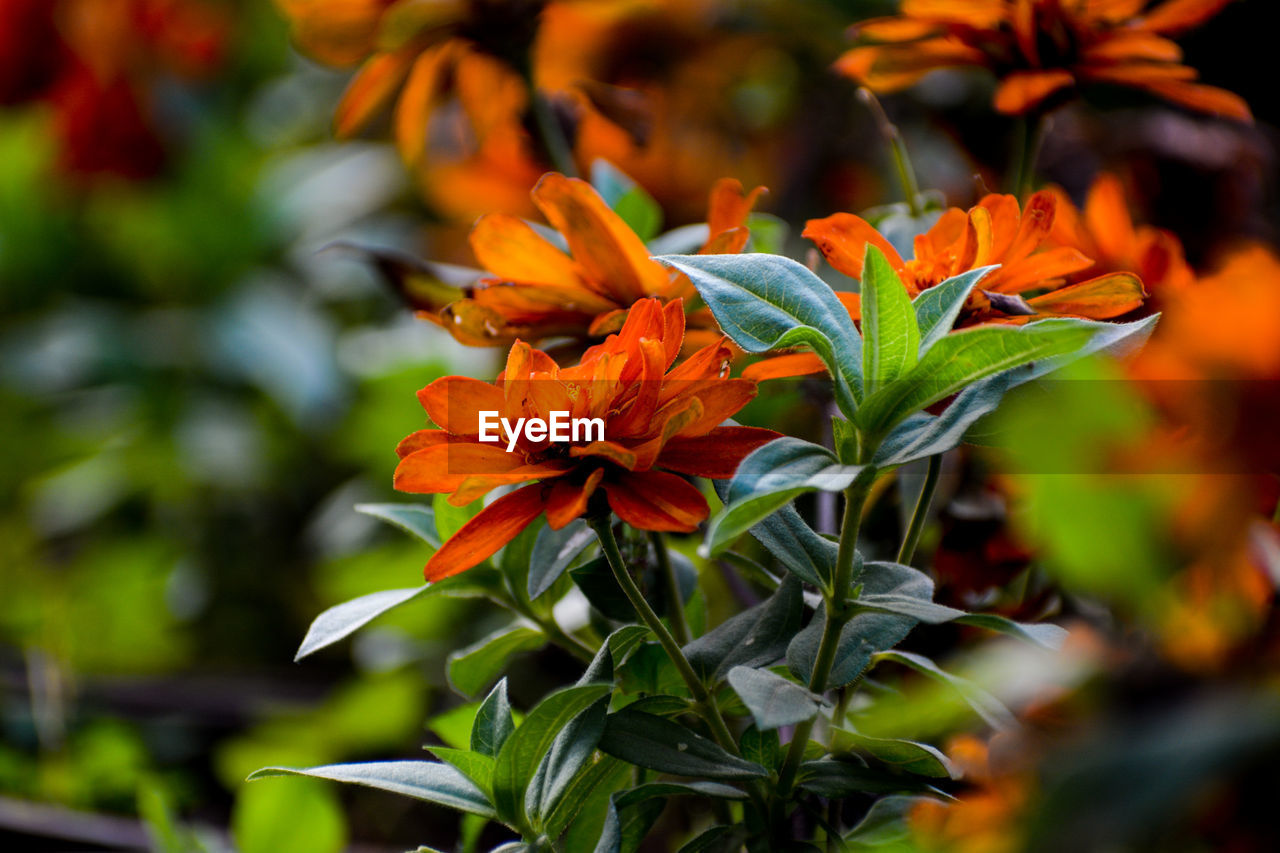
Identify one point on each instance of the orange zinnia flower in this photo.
(1104, 231)
(1042, 48)
(659, 422)
(535, 291)
(995, 231)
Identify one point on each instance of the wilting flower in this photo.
(1042, 49)
(534, 291)
(1105, 231)
(659, 422)
(1028, 284)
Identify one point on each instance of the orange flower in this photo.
(1041, 49)
(535, 291)
(660, 421)
(1105, 232)
(995, 231)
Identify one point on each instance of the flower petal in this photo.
(716, 454)
(1100, 298)
(482, 536)
(612, 256)
(454, 403)
(569, 500)
(842, 238)
(1022, 91)
(656, 500)
(784, 367)
(371, 89)
(510, 249)
(441, 468)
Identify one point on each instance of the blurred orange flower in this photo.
(535, 291)
(94, 62)
(1042, 49)
(660, 422)
(1105, 232)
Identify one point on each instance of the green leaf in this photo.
(569, 754)
(923, 435)
(717, 839)
(762, 747)
(258, 828)
(919, 758)
(477, 666)
(772, 700)
(891, 338)
(769, 478)
(613, 652)
(595, 580)
(553, 551)
(756, 637)
(793, 543)
(885, 824)
(866, 633)
(343, 620)
(422, 780)
(937, 307)
(624, 829)
(660, 744)
(759, 300)
(909, 605)
(627, 198)
(588, 797)
(493, 723)
(653, 790)
(476, 766)
(450, 518)
(1042, 634)
(843, 777)
(768, 233)
(991, 709)
(962, 358)
(518, 760)
(417, 519)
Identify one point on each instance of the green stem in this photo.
(554, 141)
(671, 583)
(837, 616)
(918, 515)
(706, 703)
(1028, 134)
(898, 148)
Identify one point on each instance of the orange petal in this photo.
(716, 454)
(842, 238)
(421, 440)
(609, 252)
(1205, 99)
(720, 400)
(1042, 269)
(454, 403)
(637, 419)
(784, 367)
(610, 450)
(371, 89)
(895, 29)
(1177, 16)
(419, 98)
(729, 205)
(1126, 46)
(1033, 227)
(441, 468)
(568, 501)
(1107, 216)
(1022, 91)
(482, 536)
(510, 249)
(852, 302)
(479, 485)
(656, 500)
(979, 14)
(1101, 298)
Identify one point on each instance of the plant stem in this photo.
(837, 616)
(918, 515)
(701, 695)
(675, 601)
(1028, 134)
(898, 148)
(557, 147)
